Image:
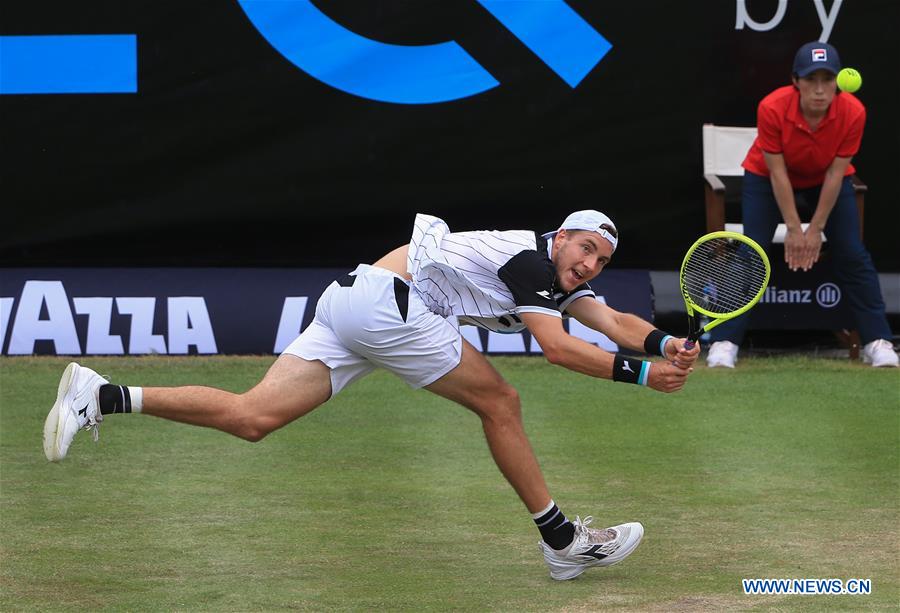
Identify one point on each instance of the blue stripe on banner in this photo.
(68, 64)
(645, 373)
(555, 33)
(402, 74)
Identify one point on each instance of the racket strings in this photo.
(723, 275)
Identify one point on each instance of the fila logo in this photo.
(627, 367)
(423, 74)
(819, 55)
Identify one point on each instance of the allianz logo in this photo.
(827, 296)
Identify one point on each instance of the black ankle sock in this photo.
(556, 530)
(114, 399)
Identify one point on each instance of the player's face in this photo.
(579, 256)
(817, 90)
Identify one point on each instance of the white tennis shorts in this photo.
(373, 318)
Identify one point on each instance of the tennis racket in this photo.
(722, 276)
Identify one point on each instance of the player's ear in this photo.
(558, 241)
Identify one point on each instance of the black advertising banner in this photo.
(309, 132)
(178, 311)
(808, 300)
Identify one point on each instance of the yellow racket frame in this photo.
(717, 318)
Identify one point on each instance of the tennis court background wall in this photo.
(227, 153)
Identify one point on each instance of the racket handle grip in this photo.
(689, 344)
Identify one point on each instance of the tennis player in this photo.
(403, 313)
(807, 134)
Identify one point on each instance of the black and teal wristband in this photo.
(630, 370)
(655, 343)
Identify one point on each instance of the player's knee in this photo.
(504, 407)
(250, 429)
(251, 436)
(256, 429)
(511, 399)
(252, 423)
(253, 433)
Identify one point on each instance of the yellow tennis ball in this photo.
(849, 80)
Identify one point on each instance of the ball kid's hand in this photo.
(812, 247)
(794, 243)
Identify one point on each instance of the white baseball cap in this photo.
(593, 221)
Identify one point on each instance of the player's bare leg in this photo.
(568, 548)
(478, 386)
(290, 389)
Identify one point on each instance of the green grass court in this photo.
(387, 499)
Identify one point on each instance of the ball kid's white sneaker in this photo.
(722, 354)
(76, 408)
(880, 353)
(592, 547)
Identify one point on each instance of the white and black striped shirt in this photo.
(485, 278)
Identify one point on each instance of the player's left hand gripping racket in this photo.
(722, 276)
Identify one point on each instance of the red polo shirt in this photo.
(782, 129)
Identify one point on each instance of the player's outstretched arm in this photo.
(628, 330)
(575, 354)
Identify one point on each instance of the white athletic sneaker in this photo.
(880, 353)
(592, 547)
(722, 353)
(76, 407)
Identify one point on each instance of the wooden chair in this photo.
(724, 149)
